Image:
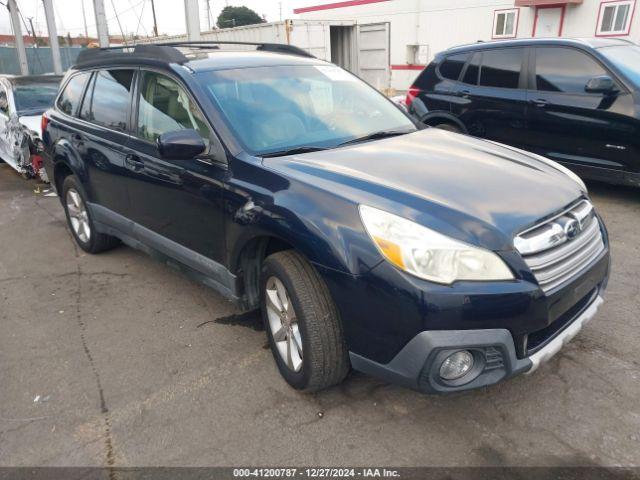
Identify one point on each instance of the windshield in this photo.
(627, 59)
(34, 98)
(273, 109)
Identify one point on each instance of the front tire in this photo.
(448, 127)
(79, 219)
(302, 323)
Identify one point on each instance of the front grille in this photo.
(559, 249)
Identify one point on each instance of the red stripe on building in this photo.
(407, 67)
(330, 6)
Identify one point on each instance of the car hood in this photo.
(32, 122)
(474, 190)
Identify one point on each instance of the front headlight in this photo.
(428, 254)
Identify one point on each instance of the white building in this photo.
(388, 42)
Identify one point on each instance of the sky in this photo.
(135, 15)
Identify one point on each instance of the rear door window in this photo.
(473, 69)
(501, 68)
(452, 66)
(72, 94)
(565, 70)
(110, 98)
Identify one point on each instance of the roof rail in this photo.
(168, 52)
(262, 46)
(95, 56)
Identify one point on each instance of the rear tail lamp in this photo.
(411, 95)
(44, 121)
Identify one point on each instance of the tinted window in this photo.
(166, 107)
(452, 66)
(564, 70)
(85, 110)
(471, 75)
(71, 95)
(110, 98)
(501, 68)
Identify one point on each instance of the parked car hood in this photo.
(477, 191)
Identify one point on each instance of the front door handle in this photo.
(133, 162)
(465, 93)
(539, 102)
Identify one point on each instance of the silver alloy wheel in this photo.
(283, 323)
(78, 215)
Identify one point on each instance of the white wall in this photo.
(441, 24)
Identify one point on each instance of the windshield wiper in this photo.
(375, 136)
(293, 151)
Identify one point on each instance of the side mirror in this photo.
(180, 144)
(601, 84)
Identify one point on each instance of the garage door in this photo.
(373, 54)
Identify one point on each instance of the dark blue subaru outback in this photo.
(431, 259)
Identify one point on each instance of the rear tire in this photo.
(300, 317)
(448, 127)
(79, 219)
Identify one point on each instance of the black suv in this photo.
(434, 260)
(574, 101)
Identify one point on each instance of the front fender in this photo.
(323, 226)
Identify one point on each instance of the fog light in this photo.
(456, 365)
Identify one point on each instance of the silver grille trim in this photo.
(560, 248)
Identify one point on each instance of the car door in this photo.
(175, 200)
(492, 97)
(100, 136)
(590, 132)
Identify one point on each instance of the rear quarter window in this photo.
(71, 96)
(452, 66)
(111, 98)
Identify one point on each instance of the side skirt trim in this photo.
(197, 266)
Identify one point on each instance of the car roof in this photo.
(525, 42)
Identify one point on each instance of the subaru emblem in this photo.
(571, 229)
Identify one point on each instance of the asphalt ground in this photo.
(115, 359)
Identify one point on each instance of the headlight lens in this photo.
(428, 254)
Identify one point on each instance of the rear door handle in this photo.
(539, 102)
(133, 162)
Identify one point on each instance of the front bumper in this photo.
(417, 365)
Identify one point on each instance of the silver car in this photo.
(23, 100)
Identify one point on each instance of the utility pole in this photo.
(192, 18)
(84, 19)
(208, 15)
(280, 8)
(33, 32)
(17, 31)
(155, 22)
(101, 23)
(124, 37)
(53, 36)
